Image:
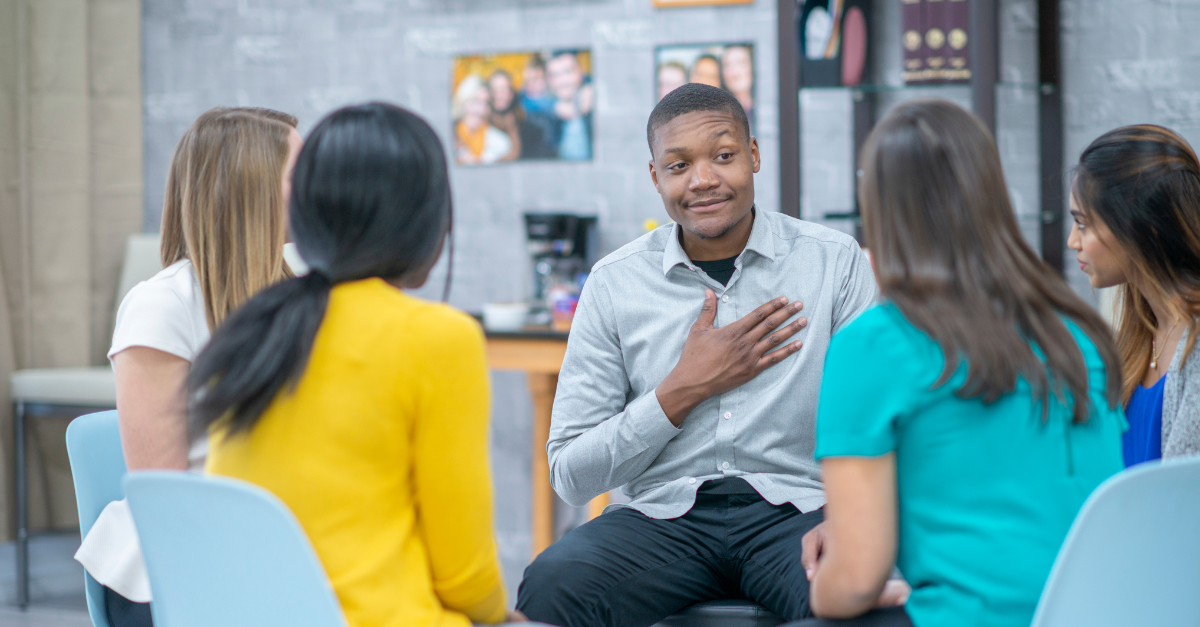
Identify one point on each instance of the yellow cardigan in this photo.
(381, 451)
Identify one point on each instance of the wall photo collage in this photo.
(538, 105)
(523, 106)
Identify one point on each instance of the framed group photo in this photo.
(520, 106)
(728, 66)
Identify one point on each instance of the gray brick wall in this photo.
(1124, 62)
(312, 56)
(1128, 62)
(310, 59)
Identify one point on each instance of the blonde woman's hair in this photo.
(470, 85)
(224, 208)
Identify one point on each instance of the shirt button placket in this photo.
(724, 432)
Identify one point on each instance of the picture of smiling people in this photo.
(737, 76)
(671, 76)
(573, 108)
(706, 70)
(510, 116)
(726, 66)
(523, 106)
(476, 141)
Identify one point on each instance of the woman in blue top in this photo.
(963, 420)
(1136, 204)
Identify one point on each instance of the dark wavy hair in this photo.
(1143, 183)
(949, 253)
(370, 198)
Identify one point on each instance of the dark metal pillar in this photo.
(789, 109)
(984, 45)
(1050, 133)
(864, 121)
(22, 507)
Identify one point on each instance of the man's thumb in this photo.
(708, 313)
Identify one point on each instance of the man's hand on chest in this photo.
(715, 361)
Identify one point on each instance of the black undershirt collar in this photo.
(721, 270)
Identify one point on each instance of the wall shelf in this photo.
(984, 53)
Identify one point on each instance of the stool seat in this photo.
(723, 613)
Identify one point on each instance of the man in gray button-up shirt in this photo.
(692, 392)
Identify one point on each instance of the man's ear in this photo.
(755, 158)
(654, 175)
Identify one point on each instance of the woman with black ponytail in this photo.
(363, 408)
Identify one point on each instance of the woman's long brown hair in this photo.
(224, 207)
(948, 252)
(1143, 183)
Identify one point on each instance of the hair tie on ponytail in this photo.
(318, 277)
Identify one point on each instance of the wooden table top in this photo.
(537, 350)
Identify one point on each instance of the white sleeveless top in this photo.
(165, 313)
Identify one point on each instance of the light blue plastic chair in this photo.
(97, 467)
(1133, 555)
(224, 552)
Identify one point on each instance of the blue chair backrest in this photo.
(97, 467)
(1133, 555)
(225, 552)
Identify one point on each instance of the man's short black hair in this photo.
(694, 97)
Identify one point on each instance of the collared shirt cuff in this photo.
(650, 422)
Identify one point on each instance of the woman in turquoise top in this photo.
(1136, 204)
(963, 420)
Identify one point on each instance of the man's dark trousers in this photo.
(625, 569)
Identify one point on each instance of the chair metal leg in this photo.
(22, 508)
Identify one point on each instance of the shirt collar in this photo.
(761, 242)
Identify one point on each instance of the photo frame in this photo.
(729, 66)
(522, 106)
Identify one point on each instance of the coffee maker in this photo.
(562, 248)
